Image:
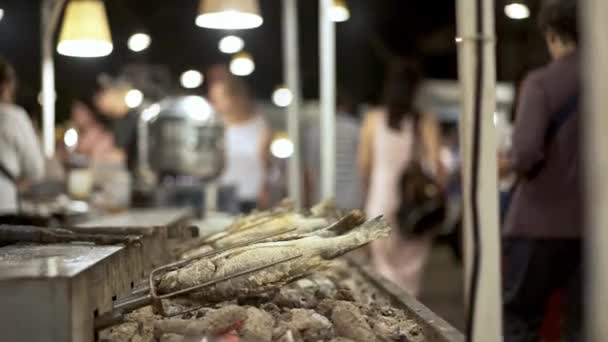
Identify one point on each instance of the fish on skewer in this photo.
(314, 227)
(256, 217)
(277, 224)
(307, 254)
(348, 222)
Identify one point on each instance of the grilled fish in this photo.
(310, 253)
(348, 222)
(277, 224)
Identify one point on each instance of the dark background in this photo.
(422, 29)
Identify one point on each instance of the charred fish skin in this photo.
(313, 252)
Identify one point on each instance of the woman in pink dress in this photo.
(386, 148)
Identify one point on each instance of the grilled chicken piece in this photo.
(311, 253)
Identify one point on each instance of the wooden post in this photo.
(595, 55)
(478, 142)
(327, 78)
(291, 69)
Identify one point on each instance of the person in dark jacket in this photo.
(544, 223)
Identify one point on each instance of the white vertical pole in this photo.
(291, 69)
(327, 50)
(48, 82)
(595, 54)
(478, 141)
(50, 13)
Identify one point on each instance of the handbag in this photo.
(422, 209)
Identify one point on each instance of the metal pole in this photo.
(595, 54)
(50, 13)
(291, 68)
(327, 50)
(478, 141)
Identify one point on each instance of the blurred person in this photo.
(348, 182)
(386, 149)
(21, 159)
(544, 224)
(94, 140)
(110, 101)
(247, 142)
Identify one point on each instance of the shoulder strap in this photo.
(557, 120)
(560, 117)
(6, 173)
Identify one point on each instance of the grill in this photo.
(80, 291)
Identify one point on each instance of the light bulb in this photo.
(191, 79)
(70, 138)
(281, 148)
(1, 13)
(517, 11)
(139, 42)
(134, 98)
(231, 44)
(282, 97)
(242, 65)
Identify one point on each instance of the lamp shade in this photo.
(85, 31)
(229, 14)
(339, 11)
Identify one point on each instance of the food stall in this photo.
(285, 274)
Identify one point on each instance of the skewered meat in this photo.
(313, 251)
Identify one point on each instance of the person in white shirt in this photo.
(21, 158)
(247, 142)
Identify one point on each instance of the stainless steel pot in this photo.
(185, 136)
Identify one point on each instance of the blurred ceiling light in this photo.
(191, 79)
(1, 13)
(282, 97)
(281, 147)
(70, 138)
(242, 64)
(151, 112)
(134, 98)
(139, 42)
(231, 44)
(517, 11)
(229, 14)
(85, 31)
(339, 11)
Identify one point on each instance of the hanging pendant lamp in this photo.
(85, 31)
(229, 14)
